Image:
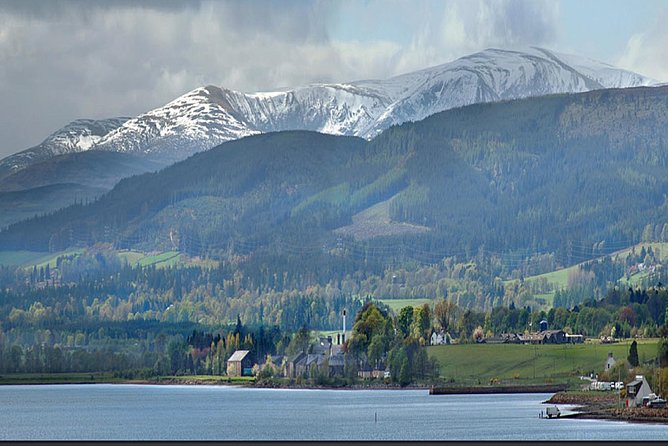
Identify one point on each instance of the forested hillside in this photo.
(535, 176)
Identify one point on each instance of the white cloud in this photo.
(64, 60)
(647, 52)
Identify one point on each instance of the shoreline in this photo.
(485, 390)
(604, 406)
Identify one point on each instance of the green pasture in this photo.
(470, 363)
(397, 304)
(13, 258)
(559, 278)
(59, 378)
(210, 379)
(169, 258)
(33, 258)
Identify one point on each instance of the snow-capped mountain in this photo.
(208, 116)
(77, 136)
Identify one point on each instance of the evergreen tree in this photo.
(633, 354)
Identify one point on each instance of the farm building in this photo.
(636, 390)
(504, 338)
(545, 337)
(239, 364)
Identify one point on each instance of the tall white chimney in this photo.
(344, 323)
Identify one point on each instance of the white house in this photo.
(438, 338)
(636, 390)
(610, 362)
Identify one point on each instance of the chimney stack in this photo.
(344, 322)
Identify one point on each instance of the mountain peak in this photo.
(210, 115)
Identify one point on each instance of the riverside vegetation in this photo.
(142, 322)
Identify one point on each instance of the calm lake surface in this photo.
(149, 412)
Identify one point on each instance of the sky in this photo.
(62, 60)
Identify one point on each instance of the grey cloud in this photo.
(522, 22)
(61, 60)
(45, 9)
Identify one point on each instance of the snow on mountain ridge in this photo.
(210, 115)
(77, 136)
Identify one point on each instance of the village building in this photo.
(610, 362)
(504, 338)
(322, 352)
(574, 338)
(296, 365)
(365, 372)
(438, 338)
(636, 390)
(336, 365)
(545, 337)
(239, 364)
(323, 346)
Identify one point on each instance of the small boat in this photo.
(553, 412)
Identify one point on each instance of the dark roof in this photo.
(318, 359)
(337, 349)
(337, 361)
(298, 357)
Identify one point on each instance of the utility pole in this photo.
(619, 391)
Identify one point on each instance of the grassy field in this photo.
(559, 278)
(397, 304)
(169, 258)
(208, 379)
(101, 377)
(30, 258)
(13, 258)
(468, 363)
(131, 257)
(58, 378)
(164, 259)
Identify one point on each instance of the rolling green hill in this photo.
(47, 186)
(468, 363)
(559, 278)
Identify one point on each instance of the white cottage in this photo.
(610, 362)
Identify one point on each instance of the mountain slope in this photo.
(49, 185)
(77, 136)
(93, 168)
(538, 174)
(210, 115)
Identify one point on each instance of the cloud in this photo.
(61, 60)
(647, 52)
(467, 26)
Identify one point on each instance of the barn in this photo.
(239, 364)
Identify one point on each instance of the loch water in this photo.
(155, 412)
